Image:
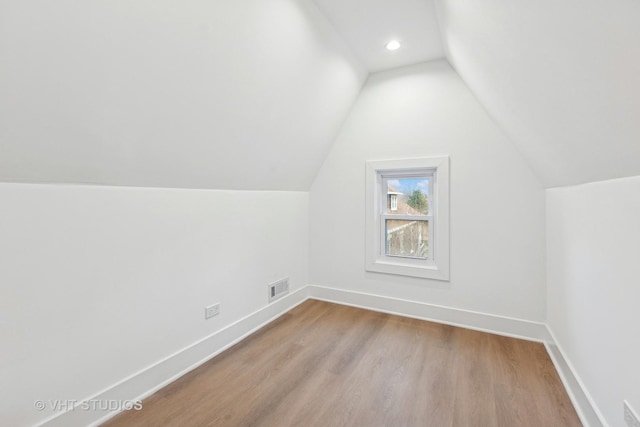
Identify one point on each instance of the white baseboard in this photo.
(517, 328)
(153, 378)
(507, 326)
(580, 397)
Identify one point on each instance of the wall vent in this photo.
(278, 289)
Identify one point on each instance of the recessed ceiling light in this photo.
(393, 45)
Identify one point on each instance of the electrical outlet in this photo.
(630, 417)
(212, 310)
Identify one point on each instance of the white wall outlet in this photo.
(630, 417)
(212, 310)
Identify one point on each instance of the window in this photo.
(393, 202)
(407, 220)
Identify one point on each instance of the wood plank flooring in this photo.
(324, 364)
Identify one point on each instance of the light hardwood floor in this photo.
(324, 364)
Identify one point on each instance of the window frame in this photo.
(436, 265)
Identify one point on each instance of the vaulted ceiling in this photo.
(562, 78)
(250, 94)
(242, 94)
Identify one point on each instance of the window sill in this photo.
(402, 269)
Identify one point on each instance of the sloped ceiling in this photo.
(242, 94)
(561, 77)
(369, 25)
(249, 94)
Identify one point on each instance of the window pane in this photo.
(408, 196)
(405, 238)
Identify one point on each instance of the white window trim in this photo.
(437, 266)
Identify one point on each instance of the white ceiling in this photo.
(242, 94)
(249, 94)
(562, 78)
(367, 26)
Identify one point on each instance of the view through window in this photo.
(406, 216)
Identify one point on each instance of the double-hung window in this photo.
(407, 220)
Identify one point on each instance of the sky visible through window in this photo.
(407, 185)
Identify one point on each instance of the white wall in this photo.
(97, 283)
(497, 204)
(236, 94)
(593, 248)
